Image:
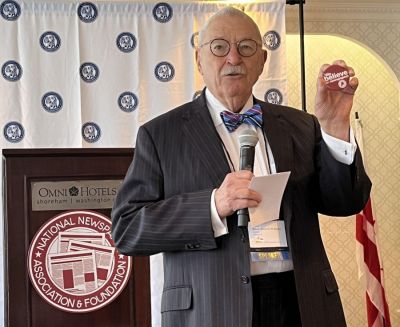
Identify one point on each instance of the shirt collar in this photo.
(216, 107)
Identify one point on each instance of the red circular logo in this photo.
(73, 264)
(336, 77)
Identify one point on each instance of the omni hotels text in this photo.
(81, 195)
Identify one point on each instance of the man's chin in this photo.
(236, 91)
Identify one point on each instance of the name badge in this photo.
(268, 242)
(268, 237)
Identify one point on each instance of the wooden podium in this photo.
(34, 182)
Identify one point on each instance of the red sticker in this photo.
(336, 77)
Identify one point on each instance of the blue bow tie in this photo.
(252, 116)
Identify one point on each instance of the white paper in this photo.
(271, 188)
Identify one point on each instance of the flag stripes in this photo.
(369, 263)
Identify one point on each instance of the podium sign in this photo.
(61, 267)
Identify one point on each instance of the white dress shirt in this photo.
(263, 165)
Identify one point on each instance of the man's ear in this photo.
(264, 59)
(265, 54)
(197, 54)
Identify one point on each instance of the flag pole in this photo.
(302, 56)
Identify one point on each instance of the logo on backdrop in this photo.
(50, 41)
(73, 264)
(273, 96)
(13, 132)
(52, 102)
(194, 40)
(91, 132)
(272, 40)
(164, 71)
(126, 42)
(87, 12)
(89, 72)
(10, 10)
(162, 12)
(11, 71)
(128, 101)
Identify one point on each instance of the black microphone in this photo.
(247, 140)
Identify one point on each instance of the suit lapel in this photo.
(278, 137)
(201, 133)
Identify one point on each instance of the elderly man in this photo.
(184, 187)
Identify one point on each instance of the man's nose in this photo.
(233, 57)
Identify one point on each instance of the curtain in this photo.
(88, 74)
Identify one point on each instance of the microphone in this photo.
(247, 140)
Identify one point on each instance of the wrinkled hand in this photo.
(332, 108)
(234, 193)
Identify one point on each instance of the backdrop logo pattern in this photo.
(73, 265)
(164, 71)
(128, 101)
(13, 132)
(194, 40)
(126, 42)
(11, 71)
(89, 72)
(50, 41)
(91, 132)
(272, 40)
(87, 12)
(162, 12)
(10, 10)
(52, 102)
(273, 96)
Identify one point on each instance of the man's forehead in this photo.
(232, 27)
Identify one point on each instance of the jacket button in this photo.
(244, 279)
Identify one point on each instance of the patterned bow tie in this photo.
(252, 116)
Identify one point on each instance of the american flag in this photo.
(368, 260)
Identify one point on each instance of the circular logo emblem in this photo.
(164, 71)
(87, 12)
(11, 71)
(273, 96)
(194, 40)
(196, 94)
(50, 41)
(126, 42)
(13, 132)
(91, 132)
(73, 264)
(162, 12)
(336, 77)
(128, 101)
(272, 40)
(89, 72)
(52, 102)
(10, 10)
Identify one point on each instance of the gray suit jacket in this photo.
(164, 206)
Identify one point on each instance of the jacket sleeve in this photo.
(344, 189)
(144, 222)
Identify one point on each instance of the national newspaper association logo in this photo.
(73, 264)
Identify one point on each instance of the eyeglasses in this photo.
(221, 47)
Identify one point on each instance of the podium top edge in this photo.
(51, 152)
